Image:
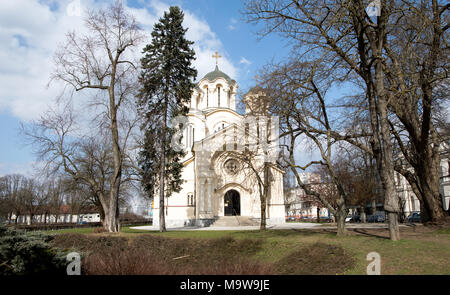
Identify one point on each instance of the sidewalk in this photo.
(280, 226)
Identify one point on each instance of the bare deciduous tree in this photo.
(102, 65)
(370, 49)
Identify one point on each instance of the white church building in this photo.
(217, 184)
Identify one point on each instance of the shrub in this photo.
(23, 253)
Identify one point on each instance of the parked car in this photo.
(290, 218)
(325, 219)
(414, 217)
(355, 218)
(376, 218)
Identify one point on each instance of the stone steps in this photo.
(223, 221)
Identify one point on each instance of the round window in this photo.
(231, 166)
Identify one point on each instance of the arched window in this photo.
(190, 136)
(218, 96)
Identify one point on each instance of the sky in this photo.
(30, 31)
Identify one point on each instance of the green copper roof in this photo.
(211, 76)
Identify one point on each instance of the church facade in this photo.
(217, 180)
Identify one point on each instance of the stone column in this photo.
(209, 195)
(201, 197)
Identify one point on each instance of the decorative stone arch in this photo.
(233, 185)
(220, 196)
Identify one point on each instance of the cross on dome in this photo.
(217, 56)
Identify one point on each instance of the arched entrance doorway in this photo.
(232, 203)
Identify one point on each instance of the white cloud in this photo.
(245, 61)
(30, 32)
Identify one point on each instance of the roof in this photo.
(211, 76)
(255, 90)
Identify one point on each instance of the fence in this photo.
(56, 226)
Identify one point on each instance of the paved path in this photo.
(281, 226)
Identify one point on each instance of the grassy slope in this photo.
(424, 253)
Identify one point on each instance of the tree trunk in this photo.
(262, 226)
(162, 220)
(374, 206)
(112, 217)
(394, 231)
(318, 214)
(162, 174)
(340, 222)
(363, 217)
(431, 204)
(263, 198)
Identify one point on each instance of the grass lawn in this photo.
(422, 250)
(83, 230)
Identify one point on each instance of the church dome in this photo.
(211, 76)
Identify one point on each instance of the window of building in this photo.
(231, 166)
(190, 200)
(218, 96)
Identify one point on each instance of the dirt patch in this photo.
(148, 254)
(317, 259)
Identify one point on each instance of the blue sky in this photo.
(31, 30)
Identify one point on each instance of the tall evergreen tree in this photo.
(167, 82)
